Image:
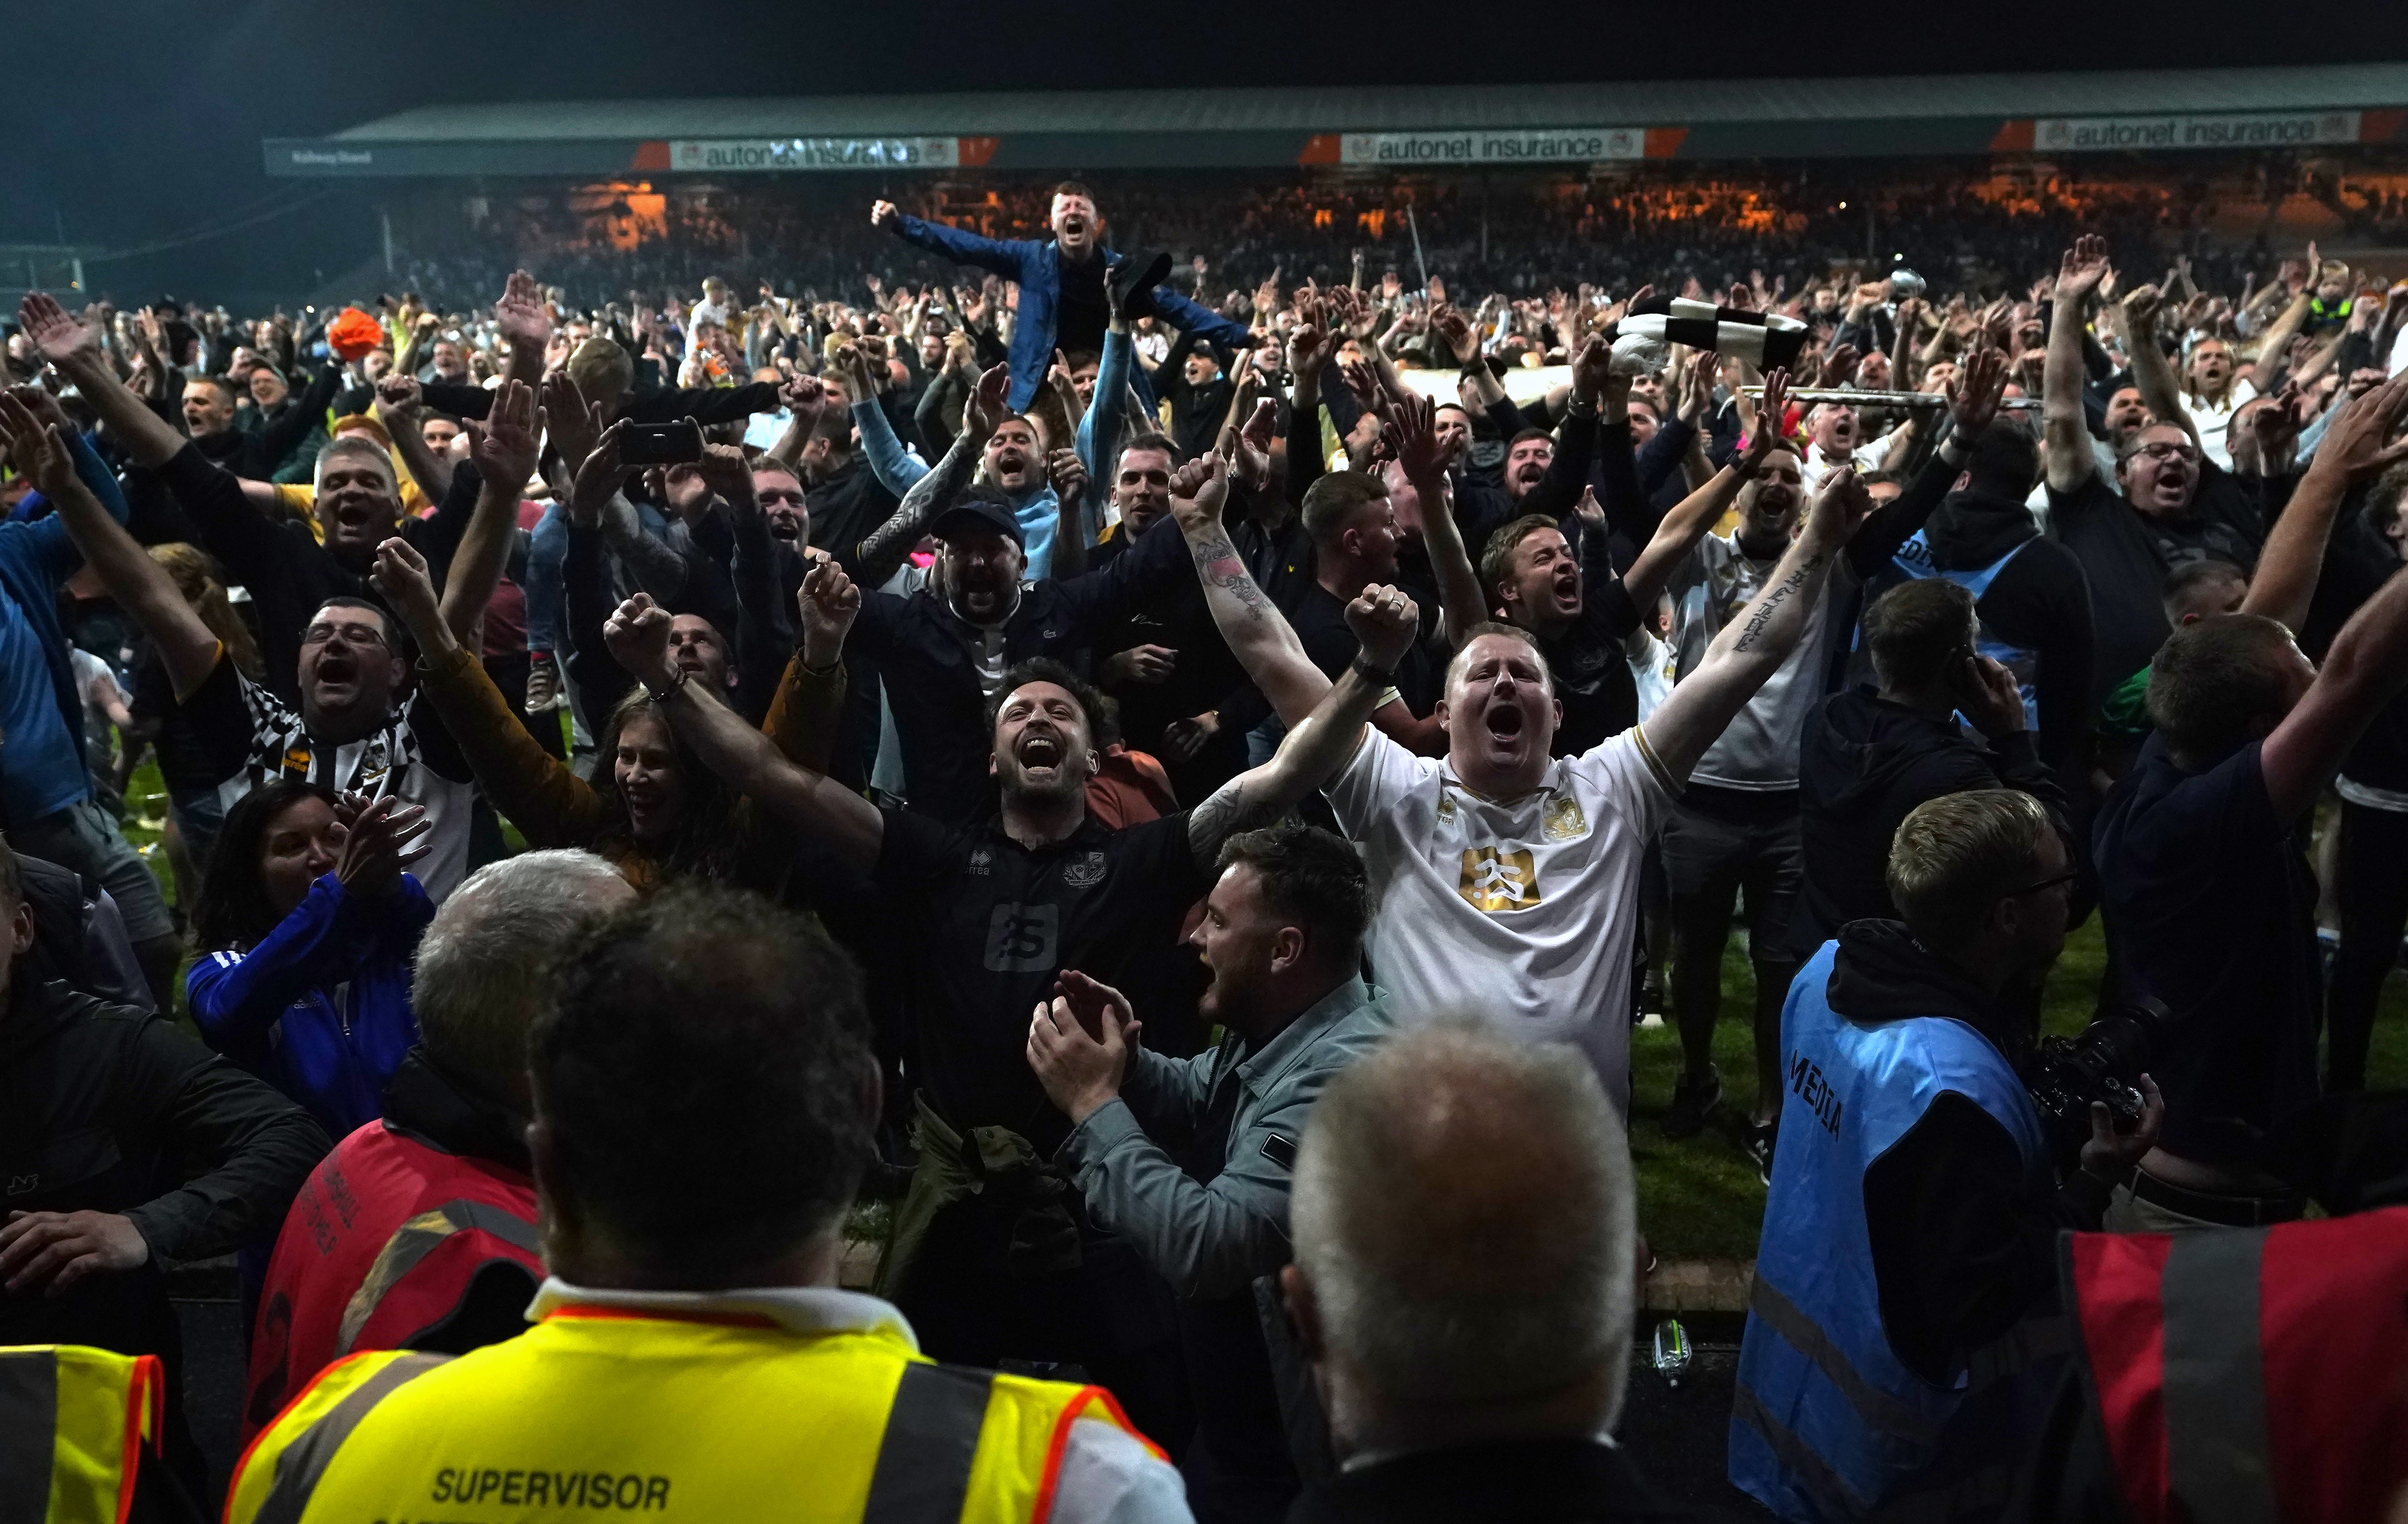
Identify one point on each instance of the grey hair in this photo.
(345, 445)
(484, 967)
(1464, 1210)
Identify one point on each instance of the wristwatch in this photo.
(1382, 676)
(662, 696)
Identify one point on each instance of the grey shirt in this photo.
(1212, 1240)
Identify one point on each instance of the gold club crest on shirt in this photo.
(1499, 879)
(1563, 819)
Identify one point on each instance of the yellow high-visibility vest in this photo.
(603, 1413)
(73, 1421)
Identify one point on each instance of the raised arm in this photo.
(806, 398)
(810, 801)
(526, 323)
(1257, 634)
(1972, 402)
(2067, 427)
(2364, 671)
(1410, 420)
(1001, 257)
(506, 447)
(1385, 619)
(401, 406)
(309, 411)
(147, 438)
(2152, 372)
(2265, 370)
(1752, 647)
(881, 550)
(1680, 530)
(1099, 432)
(140, 585)
(2353, 451)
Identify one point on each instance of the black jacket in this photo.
(2040, 601)
(1964, 1244)
(1863, 764)
(1535, 1481)
(107, 1109)
(923, 652)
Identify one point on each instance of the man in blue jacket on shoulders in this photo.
(1062, 303)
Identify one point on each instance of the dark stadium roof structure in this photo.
(2321, 106)
(1369, 108)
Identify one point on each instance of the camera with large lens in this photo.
(2102, 1063)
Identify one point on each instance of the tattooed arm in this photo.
(1385, 621)
(1753, 647)
(1258, 635)
(881, 550)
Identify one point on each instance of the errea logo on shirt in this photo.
(1495, 879)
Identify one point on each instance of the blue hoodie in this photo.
(320, 1007)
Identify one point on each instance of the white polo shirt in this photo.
(1522, 914)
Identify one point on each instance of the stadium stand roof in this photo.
(2288, 106)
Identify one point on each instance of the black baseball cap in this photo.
(971, 514)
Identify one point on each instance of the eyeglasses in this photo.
(361, 634)
(2166, 450)
(2065, 878)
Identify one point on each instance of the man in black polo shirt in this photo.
(2168, 503)
(988, 1257)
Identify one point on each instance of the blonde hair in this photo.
(1956, 855)
(602, 371)
(196, 575)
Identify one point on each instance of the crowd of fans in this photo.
(1173, 780)
(1523, 232)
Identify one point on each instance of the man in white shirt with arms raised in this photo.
(1508, 880)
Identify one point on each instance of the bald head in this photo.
(1463, 1226)
(484, 968)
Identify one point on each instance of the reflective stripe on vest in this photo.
(704, 1413)
(303, 1463)
(932, 1440)
(1828, 1422)
(2250, 1372)
(72, 1423)
(415, 1241)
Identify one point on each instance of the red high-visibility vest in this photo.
(2251, 1372)
(380, 1246)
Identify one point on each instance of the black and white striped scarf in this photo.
(1763, 340)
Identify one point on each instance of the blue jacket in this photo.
(320, 1007)
(1038, 268)
(42, 766)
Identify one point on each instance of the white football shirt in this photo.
(1522, 914)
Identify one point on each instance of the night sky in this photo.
(129, 121)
